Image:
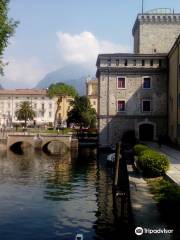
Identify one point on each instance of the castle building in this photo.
(174, 93)
(156, 31)
(133, 89)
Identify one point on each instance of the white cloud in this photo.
(84, 47)
(80, 48)
(24, 71)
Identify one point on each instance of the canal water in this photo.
(44, 197)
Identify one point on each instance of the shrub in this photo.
(168, 197)
(139, 148)
(153, 163)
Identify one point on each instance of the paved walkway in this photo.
(144, 208)
(174, 157)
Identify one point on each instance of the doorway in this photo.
(146, 132)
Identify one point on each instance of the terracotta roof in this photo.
(25, 91)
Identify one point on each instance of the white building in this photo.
(10, 100)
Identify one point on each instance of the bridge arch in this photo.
(19, 146)
(41, 142)
(54, 147)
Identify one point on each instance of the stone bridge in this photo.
(39, 141)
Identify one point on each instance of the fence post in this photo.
(116, 170)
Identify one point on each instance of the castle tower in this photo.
(156, 31)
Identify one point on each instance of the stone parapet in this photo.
(156, 18)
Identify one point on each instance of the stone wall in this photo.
(155, 32)
(112, 124)
(174, 93)
(134, 93)
(111, 133)
(158, 36)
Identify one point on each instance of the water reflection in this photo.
(54, 197)
(59, 181)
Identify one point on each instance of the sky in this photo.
(54, 33)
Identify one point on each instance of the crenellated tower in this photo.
(156, 31)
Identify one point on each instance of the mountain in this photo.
(74, 75)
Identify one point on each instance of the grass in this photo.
(167, 196)
(166, 193)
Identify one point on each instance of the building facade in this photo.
(174, 93)
(92, 92)
(10, 100)
(65, 107)
(132, 96)
(134, 88)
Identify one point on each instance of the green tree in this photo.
(82, 113)
(7, 27)
(60, 90)
(25, 112)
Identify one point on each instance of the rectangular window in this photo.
(50, 114)
(146, 82)
(109, 62)
(42, 106)
(50, 105)
(143, 62)
(146, 105)
(134, 62)
(121, 105)
(125, 62)
(151, 62)
(35, 105)
(121, 82)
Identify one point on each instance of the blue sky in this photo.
(55, 33)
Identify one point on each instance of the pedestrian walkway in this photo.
(144, 208)
(174, 156)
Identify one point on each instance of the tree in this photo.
(25, 112)
(82, 113)
(60, 90)
(7, 28)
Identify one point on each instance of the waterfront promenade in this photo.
(144, 207)
(174, 157)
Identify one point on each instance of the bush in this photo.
(139, 149)
(168, 197)
(153, 163)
